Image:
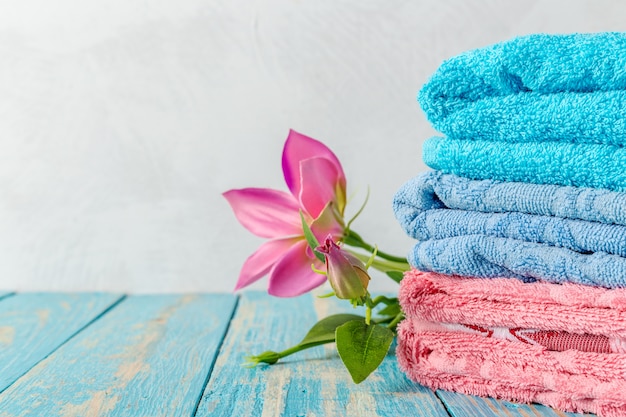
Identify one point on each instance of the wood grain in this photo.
(460, 405)
(149, 356)
(33, 325)
(310, 383)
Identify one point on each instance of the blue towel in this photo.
(492, 257)
(569, 88)
(436, 190)
(572, 164)
(491, 229)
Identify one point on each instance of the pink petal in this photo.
(260, 262)
(292, 275)
(326, 224)
(299, 147)
(320, 182)
(265, 212)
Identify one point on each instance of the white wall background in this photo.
(122, 121)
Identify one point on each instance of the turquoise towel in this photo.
(573, 164)
(527, 231)
(569, 88)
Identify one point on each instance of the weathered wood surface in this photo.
(460, 405)
(33, 325)
(175, 355)
(310, 383)
(149, 356)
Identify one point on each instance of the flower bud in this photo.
(346, 273)
(270, 357)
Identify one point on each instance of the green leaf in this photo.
(391, 310)
(324, 330)
(310, 238)
(395, 275)
(362, 347)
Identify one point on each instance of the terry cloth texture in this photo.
(467, 227)
(435, 190)
(505, 368)
(569, 88)
(573, 164)
(469, 364)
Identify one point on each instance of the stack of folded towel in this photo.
(519, 290)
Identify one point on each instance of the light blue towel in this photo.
(569, 88)
(574, 164)
(491, 228)
(492, 257)
(436, 190)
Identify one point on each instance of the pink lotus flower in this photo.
(346, 273)
(317, 184)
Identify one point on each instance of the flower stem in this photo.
(382, 265)
(385, 266)
(385, 300)
(270, 357)
(352, 238)
(395, 321)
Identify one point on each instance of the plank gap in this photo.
(445, 405)
(4, 295)
(315, 383)
(106, 310)
(219, 350)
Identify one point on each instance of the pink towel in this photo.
(549, 339)
(560, 345)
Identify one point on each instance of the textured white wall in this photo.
(122, 121)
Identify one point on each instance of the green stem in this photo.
(271, 357)
(385, 266)
(382, 264)
(385, 300)
(298, 348)
(352, 238)
(395, 321)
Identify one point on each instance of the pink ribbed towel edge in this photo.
(569, 380)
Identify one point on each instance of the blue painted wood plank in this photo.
(310, 383)
(34, 325)
(461, 405)
(149, 356)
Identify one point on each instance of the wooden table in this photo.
(181, 355)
